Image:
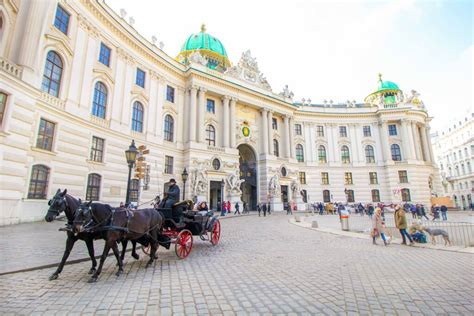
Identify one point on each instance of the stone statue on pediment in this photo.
(412, 97)
(197, 58)
(287, 93)
(247, 70)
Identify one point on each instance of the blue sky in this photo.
(334, 49)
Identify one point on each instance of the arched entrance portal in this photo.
(248, 172)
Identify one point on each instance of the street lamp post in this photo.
(222, 192)
(130, 155)
(184, 177)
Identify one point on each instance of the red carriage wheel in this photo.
(216, 233)
(184, 244)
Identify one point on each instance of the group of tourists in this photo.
(264, 208)
(226, 208)
(418, 211)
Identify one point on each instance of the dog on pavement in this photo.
(433, 232)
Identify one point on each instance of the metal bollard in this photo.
(345, 222)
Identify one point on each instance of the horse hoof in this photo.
(92, 280)
(53, 277)
(91, 271)
(118, 273)
(135, 256)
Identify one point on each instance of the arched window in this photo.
(169, 128)
(100, 100)
(276, 148)
(211, 135)
(396, 154)
(39, 182)
(406, 195)
(93, 187)
(369, 154)
(375, 196)
(322, 154)
(326, 196)
(53, 71)
(345, 155)
(299, 153)
(137, 117)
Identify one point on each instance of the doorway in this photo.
(215, 194)
(284, 194)
(248, 172)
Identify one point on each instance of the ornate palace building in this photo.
(454, 152)
(78, 83)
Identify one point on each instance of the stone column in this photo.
(201, 114)
(336, 154)
(430, 145)
(411, 139)
(233, 122)
(264, 130)
(292, 138)
(226, 126)
(308, 137)
(354, 147)
(192, 116)
(270, 132)
(386, 142)
(416, 139)
(180, 119)
(286, 120)
(378, 143)
(424, 142)
(330, 152)
(406, 154)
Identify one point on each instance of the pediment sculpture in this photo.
(286, 93)
(233, 182)
(199, 181)
(197, 58)
(247, 70)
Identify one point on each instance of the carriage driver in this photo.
(172, 196)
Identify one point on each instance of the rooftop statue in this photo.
(287, 93)
(197, 58)
(247, 70)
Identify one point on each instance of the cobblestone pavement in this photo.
(262, 265)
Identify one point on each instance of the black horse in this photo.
(63, 202)
(143, 226)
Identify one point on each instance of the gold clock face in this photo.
(246, 131)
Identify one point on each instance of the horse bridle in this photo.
(58, 210)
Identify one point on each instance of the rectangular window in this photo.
(348, 178)
(274, 123)
(45, 135)
(373, 178)
(320, 131)
(326, 196)
(324, 177)
(211, 106)
(168, 164)
(375, 196)
(302, 177)
(367, 132)
(104, 56)
(342, 131)
(3, 105)
(392, 130)
(140, 80)
(61, 21)
(97, 149)
(298, 129)
(170, 94)
(406, 197)
(403, 176)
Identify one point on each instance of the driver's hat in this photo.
(173, 180)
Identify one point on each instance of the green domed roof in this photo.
(208, 46)
(205, 41)
(387, 89)
(387, 85)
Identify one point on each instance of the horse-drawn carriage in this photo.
(181, 223)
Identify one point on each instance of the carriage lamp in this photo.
(184, 177)
(130, 155)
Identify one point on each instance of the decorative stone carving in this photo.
(295, 188)
(123, 13)
(247, 70)
(274, 188)
(199, 181)
(153, 40)
(197, 58)
(233, 182)
(286, 93)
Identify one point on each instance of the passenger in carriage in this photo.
(202, 208)
(172, 196)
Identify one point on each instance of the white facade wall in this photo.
(93, 23)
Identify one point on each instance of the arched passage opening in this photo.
(248, 172)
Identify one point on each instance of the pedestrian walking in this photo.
(268, 208)
(401, 224)
(321, 208)
(371, 211)
(237, 208)
(245, 210)
(413, 211)
(423, 212)
(228, 208)
(378, 227)
(259, 208)
(288, 209)
(444, 212)
(264, 209)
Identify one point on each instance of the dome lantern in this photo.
(386, 93)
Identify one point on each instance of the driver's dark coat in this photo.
(172, 196)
